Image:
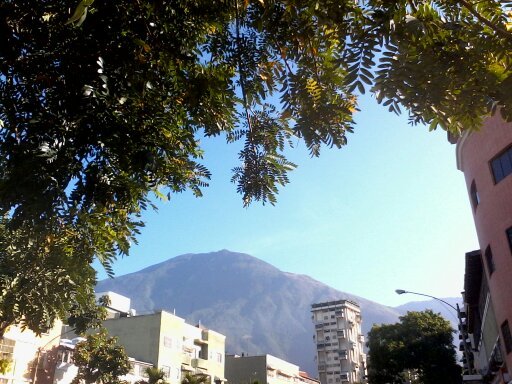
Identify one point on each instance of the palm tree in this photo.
(155, 376)
(197, 378)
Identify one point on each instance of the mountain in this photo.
(258, 307)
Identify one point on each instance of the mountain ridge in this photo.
(260, 308)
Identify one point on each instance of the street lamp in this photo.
(456, 309)
(462, 328)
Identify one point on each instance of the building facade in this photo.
(29, 358)
(339, 342)
(264, 369)
(485, 158)
(485, 362)
(169, 343)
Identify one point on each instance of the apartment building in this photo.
(166, 341)
(264, 369)
(485, 158)
(339, 342)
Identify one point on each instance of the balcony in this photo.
(200, 363)
(201, 341)
(186, 359)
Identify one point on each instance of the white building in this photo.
(66, 370)
(264, 369)
(339, 342)
(28, 356)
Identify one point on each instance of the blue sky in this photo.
(390, 210)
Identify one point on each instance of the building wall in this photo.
(246, 369)
(139, 335)
(339, 342)
(493, 212)
(118, 303)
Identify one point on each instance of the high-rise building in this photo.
(339, 342)
(485, 158)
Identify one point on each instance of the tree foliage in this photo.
(196, 378)
(100, 360)
(421, 345)
(154, 376)
(41, 280)
(103, 104)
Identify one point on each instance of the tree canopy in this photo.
(103, 105)
(100, 360)
(419, 346)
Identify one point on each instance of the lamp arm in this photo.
(435, 298)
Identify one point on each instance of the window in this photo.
(167, 342)
(475, 198)
(167, 371)
(6, 348)
(489, 260)
(501, 165)
(177, 373)
(507, 336)
(509, 236)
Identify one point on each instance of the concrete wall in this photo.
(140, 336)
(246, 369)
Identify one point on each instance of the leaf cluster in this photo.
(447, 63)
(45, 276)
(100, 360)
(197, 378)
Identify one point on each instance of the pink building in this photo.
(485, 157)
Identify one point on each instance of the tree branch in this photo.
(499, 31)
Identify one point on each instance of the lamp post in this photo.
(462, 330)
